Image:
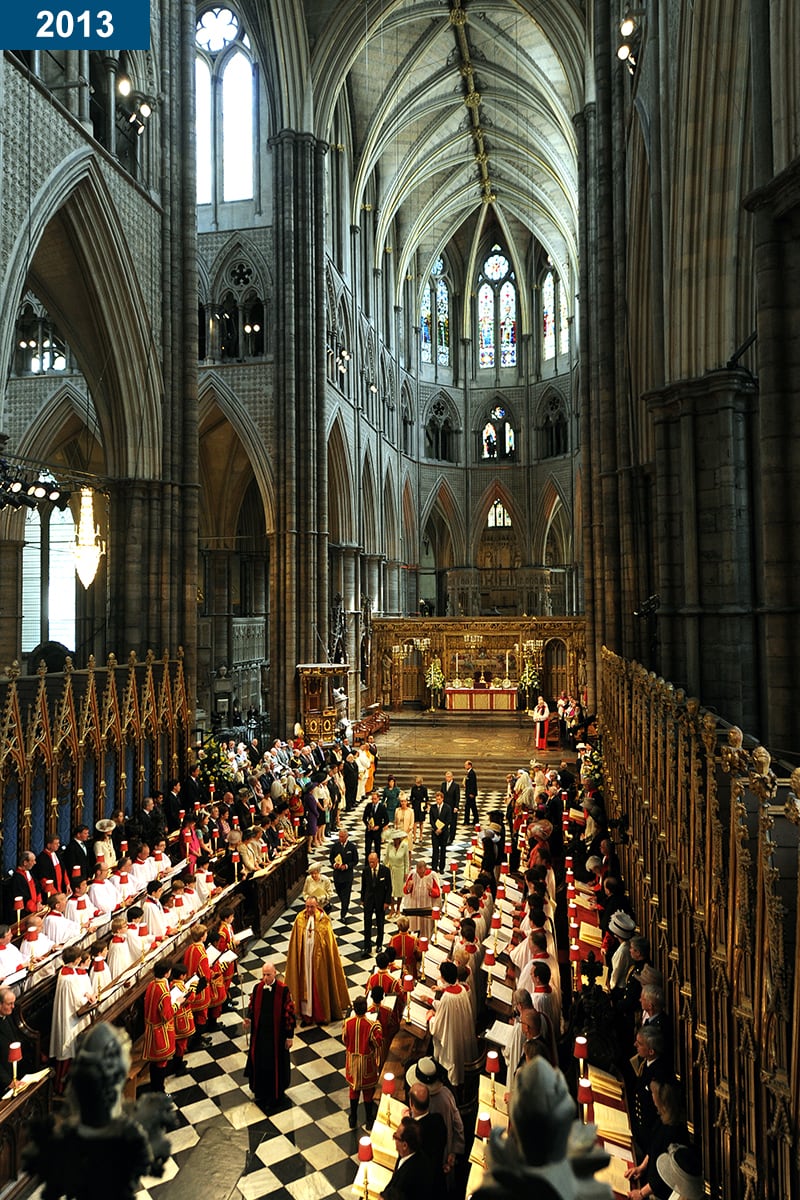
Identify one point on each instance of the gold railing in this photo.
(712, 868)
(75, 745)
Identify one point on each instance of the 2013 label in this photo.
(63, 24)
(70, 25)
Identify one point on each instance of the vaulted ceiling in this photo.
(461, 115)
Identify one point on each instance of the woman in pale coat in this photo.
(404, 816)
(398, 860)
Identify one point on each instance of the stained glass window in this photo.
(489, 441)
(497, 312)
(548, 317)
(425, 325)
(498, 517)
(509, 440)
(508, 325)
(496, 265)
(563, 319)
(486, 325)
(217, 28)
(442, 323)
(497, 413)
(434, 317)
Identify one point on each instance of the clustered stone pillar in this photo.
(704, 465)
(299, 566)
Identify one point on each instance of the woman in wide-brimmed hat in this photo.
(682, 1170)
(104, 847)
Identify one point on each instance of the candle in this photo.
(506, 664)
(585, 1100)
(456, 664)
(582, 1053)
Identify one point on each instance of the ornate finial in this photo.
(68, 665)
(41, 670)
(132, 659)
(112, 662)
(13, 671)
(458, 16)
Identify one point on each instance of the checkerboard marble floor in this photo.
(305, 1151)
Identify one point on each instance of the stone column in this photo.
(777, 258)
(299, 568)
(10, 600)
(703, 498)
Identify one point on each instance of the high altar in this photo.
(487, 663)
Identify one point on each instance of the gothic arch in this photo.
(341, 529)
(369, 508)
(552, 423)
(278, 30)
(60, 418)
(410, 528)
(240, 248)
(552, 539)
(443, 525)
(98, 304)
(241, 438)
(391, 529)
(493, 492)
(203, 283)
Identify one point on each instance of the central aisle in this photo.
(306, 1151)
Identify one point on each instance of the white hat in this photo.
(681, 1169)
(425, 1071)
(622, 925)
(105, 826)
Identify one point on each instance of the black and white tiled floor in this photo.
(305, 1151)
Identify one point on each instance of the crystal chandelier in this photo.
(89, 546)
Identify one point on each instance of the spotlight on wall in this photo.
(630, 31)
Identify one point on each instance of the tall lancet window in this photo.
(434, 317)
(497, 312)
(225, 109)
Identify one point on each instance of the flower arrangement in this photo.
(215, 765)
(592, 770)
(434, 676)
(530, 676)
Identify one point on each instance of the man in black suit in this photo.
(470, 794)
(654, 1017)
(651, 1066)
(412, 1179)
(344, 859)
(433, 1133)
(375, 818)
(452, 795)
(79, 853)
(441, 818)
(376, 896)
(192, 790)
(173, 804)
(10, 1032)
(350, 776)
